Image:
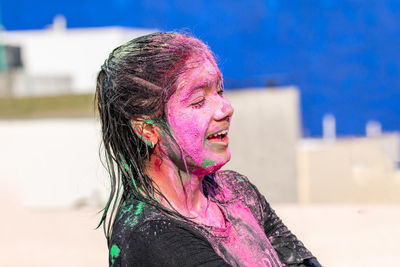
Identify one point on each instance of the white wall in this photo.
(263, 135)
(75, 53)
(52, 162)
(358, 170)
(55, 162)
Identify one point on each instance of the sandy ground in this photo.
(339, 235)
(32, 237)
(347, 235)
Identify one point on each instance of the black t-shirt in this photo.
(144, 236)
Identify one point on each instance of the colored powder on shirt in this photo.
(114, 252)
(139, 208)
(125, 210)
(242, 242)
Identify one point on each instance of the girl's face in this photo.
(198, 115)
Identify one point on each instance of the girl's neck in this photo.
(182, 191)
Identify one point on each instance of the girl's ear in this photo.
(146, 130)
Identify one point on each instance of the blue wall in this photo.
(342, 54)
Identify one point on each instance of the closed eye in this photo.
(220, 88)
(198, 104)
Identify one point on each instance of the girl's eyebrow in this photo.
(204, 85)
(194, 89)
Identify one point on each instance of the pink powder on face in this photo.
(196, 110)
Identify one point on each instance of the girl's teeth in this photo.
(219, 134)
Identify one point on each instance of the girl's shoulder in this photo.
(145, 236)
(134, 214)
(233, 186)
(238, 185)
(232, 177)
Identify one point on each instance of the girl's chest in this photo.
(246, 243)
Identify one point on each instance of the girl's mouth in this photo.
(220, 137)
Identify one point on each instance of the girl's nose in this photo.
(224, 111)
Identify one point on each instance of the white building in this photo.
(60, 60)
(349, 170)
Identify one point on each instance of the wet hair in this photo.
(136, 82)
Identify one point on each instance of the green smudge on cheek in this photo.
(114, 253)
(207, 162)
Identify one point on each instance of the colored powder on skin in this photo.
(207, 162)
(244, 242)
(138, 130)
(114, 252)
(151, 122)
(150, 144)
(193, 114)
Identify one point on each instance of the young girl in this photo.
(165, 125)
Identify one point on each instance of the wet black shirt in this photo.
(145, 236)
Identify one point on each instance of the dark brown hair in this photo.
(136, 81)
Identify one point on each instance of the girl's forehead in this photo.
(199, 69)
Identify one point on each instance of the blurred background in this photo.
(315, 86)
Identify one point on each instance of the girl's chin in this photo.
(208, 167)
